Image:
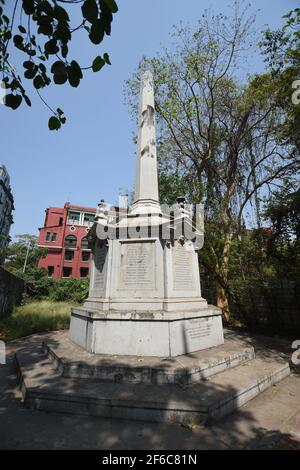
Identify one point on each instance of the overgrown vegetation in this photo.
(35, 317)
(21, 259)
(58, 290)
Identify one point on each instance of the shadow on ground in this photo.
(261, 423)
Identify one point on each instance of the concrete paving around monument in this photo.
(270, 420)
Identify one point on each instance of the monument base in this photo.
(161, 334)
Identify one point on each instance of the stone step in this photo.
(187, 369)
(45, 389)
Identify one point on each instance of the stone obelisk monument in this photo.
(146, 183)
(145, 296)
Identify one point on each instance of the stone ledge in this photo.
(135, 315)
(44, 389)
(185, 369)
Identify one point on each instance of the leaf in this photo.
(64, 50)
(18, 40)
(45, 29)
(90, 10)
(76, 69)
(22, 29)
(111, 4)
(97, 32)
(60, 79)
(106, 58)
(42, 68)
(59, 68)
(13, 101)
(28, 64)
(38, 82)
(30, 73)
(193, 426)
(46, 7)
(98, 64)
(274, 390)
(27, 100)
(51, 46)
(74, 74)
(28, 7)
(54, 123)
(60, 14)
(62, 33)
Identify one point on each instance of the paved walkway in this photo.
(271, 420)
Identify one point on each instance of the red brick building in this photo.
(65, 235)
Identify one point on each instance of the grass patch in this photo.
(35, 317)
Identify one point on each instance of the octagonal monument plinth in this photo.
(145, 297)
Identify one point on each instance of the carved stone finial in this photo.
(181, 201)
(101, 212)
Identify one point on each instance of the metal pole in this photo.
(26, 257)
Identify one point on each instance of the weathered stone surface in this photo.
(163, 334)
(72, 361)
(45, 389)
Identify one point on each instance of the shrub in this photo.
(75, 290)
(58, 290)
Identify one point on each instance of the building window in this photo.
(48, 235)
(84, 272)
(54, 236)
(73, 217)
(69, 255)
(50, 271)
(84, 243)
(70, 241)
(60, 221)
(67, 272)
(85, 255)
(88, 217)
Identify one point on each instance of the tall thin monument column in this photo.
(146, 183)
(145, 295)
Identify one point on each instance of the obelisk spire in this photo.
(146, 183)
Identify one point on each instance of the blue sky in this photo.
(93, 156)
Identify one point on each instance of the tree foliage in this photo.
(43, 31)
(222, 140)
(15, 257)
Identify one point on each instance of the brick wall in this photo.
(11, 289)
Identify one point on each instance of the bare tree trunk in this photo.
(222, 295)
(222, 301)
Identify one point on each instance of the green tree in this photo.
(281, 49)
(22, 256)
(220, 136)
(283, 212)
(43, 31)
